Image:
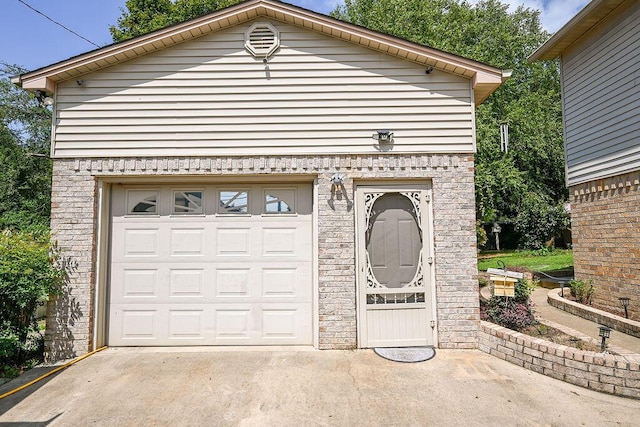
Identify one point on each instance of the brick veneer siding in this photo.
(614, 374)
(605, 225)
(74, 216)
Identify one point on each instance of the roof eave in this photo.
(485, 77)
(579, 25)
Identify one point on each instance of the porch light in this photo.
(337, 179)
(383, 136)
(604, 333)
(625, 303)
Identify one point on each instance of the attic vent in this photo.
(262, 39)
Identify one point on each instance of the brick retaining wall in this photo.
(626, 326)
(614, 374)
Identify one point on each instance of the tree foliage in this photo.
(532, 171)
(143, 16)
(25, 176)
(30, 271)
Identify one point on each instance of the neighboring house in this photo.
(599, 51)
(265, 175)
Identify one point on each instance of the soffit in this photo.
(592, 14)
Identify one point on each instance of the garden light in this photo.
(625, 303)
(604, 333)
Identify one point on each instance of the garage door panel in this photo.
(233, 241)
(141, 242)
(187, 242)
(210, 279)
(186, 324)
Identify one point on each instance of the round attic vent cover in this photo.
(262, 39)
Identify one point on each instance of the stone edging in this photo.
(618, 323)
(614, 374)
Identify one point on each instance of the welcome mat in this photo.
(406, 354)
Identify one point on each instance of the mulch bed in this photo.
(554, 335)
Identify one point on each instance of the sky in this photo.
(30, 40)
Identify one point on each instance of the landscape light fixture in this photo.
(625, 303)
(604, 333)
(383, 136)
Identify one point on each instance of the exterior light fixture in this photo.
(604, 333)
(625, 303)
(383, 136)
(337, 179)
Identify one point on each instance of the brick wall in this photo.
(605, 225)
(74, 223)
(614, 374)
(617, 323)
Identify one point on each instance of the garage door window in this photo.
(233, 202)
(142, 202)
(279, 201)
(188, 202)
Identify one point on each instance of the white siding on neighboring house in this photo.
(601, 95)
(211, 97)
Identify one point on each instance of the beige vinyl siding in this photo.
(601, 95)
(211, 97)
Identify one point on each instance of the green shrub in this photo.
(514, 313)
(582, 291)
(481, 235)
(30, 271)
(539, 220)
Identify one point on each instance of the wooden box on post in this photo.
(504, 282)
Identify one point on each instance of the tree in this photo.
(25, 176)
(532, 171)
(143, 16)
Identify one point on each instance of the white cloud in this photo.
(554, 13)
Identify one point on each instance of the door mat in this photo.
(406, 354)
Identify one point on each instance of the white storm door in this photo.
(395, 294)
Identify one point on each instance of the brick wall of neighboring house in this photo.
(74, 215)
(605, 224)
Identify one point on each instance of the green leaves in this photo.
(530, 176)
(25, 179)
(30, 271)
(143, 16)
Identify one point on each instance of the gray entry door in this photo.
(394, 253)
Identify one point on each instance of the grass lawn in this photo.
(557, 260)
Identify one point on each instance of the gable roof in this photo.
(592, 14)
(485, 78)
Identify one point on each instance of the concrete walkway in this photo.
(587, 327)
(132, 387)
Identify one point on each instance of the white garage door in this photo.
(211, 265)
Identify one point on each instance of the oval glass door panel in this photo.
(393, 240)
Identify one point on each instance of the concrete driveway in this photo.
(132, 387)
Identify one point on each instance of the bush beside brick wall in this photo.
(614, 374)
